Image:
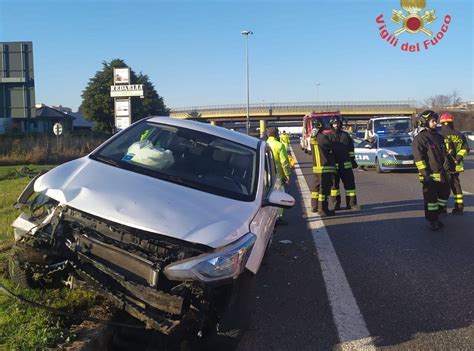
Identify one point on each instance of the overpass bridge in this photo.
(291, 113)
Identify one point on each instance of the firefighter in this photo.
(285, 139)
(457, 148)
(282, 164)
(345, 161)
(430, 159)
(323, 169)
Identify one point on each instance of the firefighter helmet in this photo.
(335, 119)
(446, 118)
(426, 116)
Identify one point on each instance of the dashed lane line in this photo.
(351, 328)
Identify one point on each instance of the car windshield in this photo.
(395, 141)
(387, 126)
(324, 120)
(186, 157)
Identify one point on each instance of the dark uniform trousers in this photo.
(455, 184)
(347, 176)
(322, 183)
(435, 195)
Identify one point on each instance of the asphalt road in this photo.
(382, 272)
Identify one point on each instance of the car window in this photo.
(269, 176)
(186, 157)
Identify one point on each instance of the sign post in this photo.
(121, 91)
(58, 130)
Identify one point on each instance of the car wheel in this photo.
(234, 319)
(377, 166)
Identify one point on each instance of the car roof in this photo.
(209, 129)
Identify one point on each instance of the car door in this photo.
(263, 223)
(365, 154)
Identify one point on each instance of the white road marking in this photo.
(351, 328)
(392, 206)
(467, 193)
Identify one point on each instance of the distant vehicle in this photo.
(388, 125)
(308, 121)
(470, 137)
(386, 152)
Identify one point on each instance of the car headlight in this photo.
(387, 155)
(227, 262)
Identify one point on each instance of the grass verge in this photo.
(23, 327)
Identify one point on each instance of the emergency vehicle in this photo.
(308, 122)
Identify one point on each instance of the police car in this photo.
(385, 152)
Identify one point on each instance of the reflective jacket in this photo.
(456, 147)
(280, 156)
(343, 148)
(323, 153)
(285, 139)
(430, 155)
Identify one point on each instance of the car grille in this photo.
(403, 157)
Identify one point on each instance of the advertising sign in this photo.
(122, 108)
(122, 75)
(126, 90)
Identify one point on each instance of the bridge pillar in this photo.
(263, 127)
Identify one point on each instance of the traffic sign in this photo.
(58, 128)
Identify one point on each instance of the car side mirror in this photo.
(279, 199)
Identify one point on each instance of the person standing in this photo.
(282, 163)
(457, 148)
(430, 159)
(344, 155)
(323, 169)
(285, 139)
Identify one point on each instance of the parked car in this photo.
(385, 152)
(469, 137)
(169, 218)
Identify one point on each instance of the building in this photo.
(17, 86)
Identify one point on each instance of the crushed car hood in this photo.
(147, 203)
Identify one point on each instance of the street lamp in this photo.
(246, 33)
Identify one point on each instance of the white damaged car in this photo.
(170, 219)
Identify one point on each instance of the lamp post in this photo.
(246, 33)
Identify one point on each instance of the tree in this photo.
(98, 106)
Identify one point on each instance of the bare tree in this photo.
(455, 98)
(438, 101)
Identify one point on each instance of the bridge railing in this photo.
(304, 107)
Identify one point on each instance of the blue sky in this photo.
(194, 53)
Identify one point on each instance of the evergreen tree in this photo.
(98, 106)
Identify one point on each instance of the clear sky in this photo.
(194, 53)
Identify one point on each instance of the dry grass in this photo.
(45, 149)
